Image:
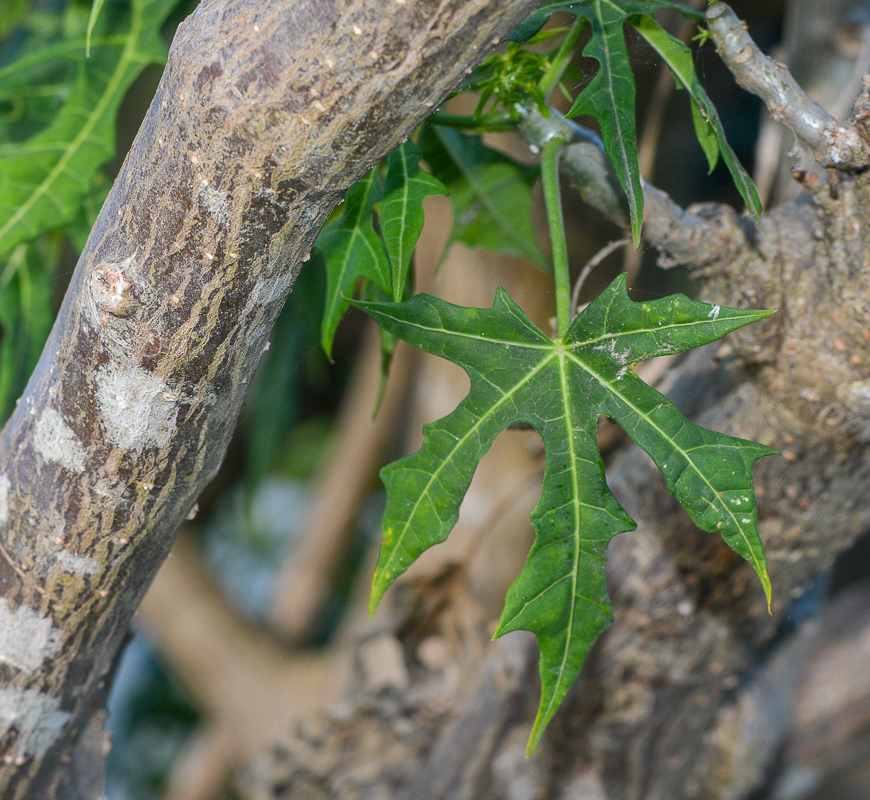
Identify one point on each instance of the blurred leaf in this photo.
(708, 126)
(491, 193)
(273, 406)
(26, 316)
(352, 250)
(12, 14)
(401, 217)
(43, 179)
(96, 7)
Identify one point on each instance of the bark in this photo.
(267, 112)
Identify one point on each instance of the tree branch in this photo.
(267, 112)
(681, 236)
(843, 145)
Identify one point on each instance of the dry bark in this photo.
(267, 112)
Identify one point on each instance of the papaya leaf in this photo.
(96, 7)
(518, 374)
(352, 250)
(26, 315)
(401, 217)
(43, 178)
(490, 192)
(533, 23)
(610, 98)
(708, 126)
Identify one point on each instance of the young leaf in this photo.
(518, 374)
(491, 194)
(708, 127)
(352, 250)
(43, 179)
(610, 98)
(401, 217)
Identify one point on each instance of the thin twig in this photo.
(25, 578)
(589, 266)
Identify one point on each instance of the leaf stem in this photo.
(553, 202)
(563, 57)
(494, 121)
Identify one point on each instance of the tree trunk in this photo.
(267, 112)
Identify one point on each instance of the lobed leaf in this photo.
(401, 217)
(352, 249)
(518, 374)
(534, 22)
(43, 179)
(708, 126)
(610, 98)
(491, 193)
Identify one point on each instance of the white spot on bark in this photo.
(37, 717)
(26, 637)
(269, 290)
(216, 202)
(76, 564)
(5, 486)
(54, 440)
(133, 407)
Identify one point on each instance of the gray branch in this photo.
(838, 144)
(681, 236)
(267, 112)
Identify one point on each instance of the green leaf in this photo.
(43, 179)
(610, 98)
(401, 217)
(491, 193)
(518, 374)
(352, 250)
(708, 126)
(26, 316)
(533, 23)
(96, 7)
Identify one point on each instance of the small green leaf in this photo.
(352, 250)
(491, 194)
(518, 374)
(401, 217)
(708, 127)
(610, 98)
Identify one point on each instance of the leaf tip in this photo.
(768, 588)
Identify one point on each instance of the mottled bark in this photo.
(266, 113)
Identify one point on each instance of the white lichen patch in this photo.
(136, 407)
(76, 564)
(26, 637)
(216, 202)
(55, 441)
(5, 486)
(35, 715)
(268, 290)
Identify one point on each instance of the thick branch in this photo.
(266, 113)
(839, 144)
(681, 236)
